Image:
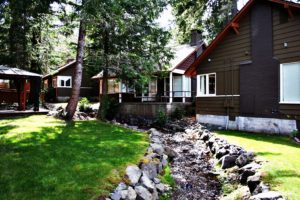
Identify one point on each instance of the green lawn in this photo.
(44, 158)
(282, 169)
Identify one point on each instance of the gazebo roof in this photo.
(8, 72)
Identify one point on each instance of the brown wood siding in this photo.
(286, 32)
(218, 105)
(289, 32)
(225, 62)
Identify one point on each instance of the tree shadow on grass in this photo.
(267, 154)
(5, 129)
(275, 139)
(70, 162)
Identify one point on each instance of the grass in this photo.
(44, 158)
(282, 156)
(168, 179)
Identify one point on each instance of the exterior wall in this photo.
(149, 109)
(247, 68)
(251, 124)
(286, 30)
(225, 61)
(88, 88)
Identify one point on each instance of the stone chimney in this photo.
(196, 37)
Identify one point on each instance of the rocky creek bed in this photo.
(193, 153)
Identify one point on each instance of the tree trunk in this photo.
(103, 98)
(73, 101)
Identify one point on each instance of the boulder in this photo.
(150, 169)
(133, 174)
(143, 193)
(267, 196)
(157, 148)
(245, 174)
(227, 161)
(131, 195)
(156, 139)
(244, 159)
(124, 194)
(170, 152)
(205, 135)
(253, 182)
(147, 183)
(221, 152)
(261, 188)
(116, 195)
(251, 166)
(155, 132)
(161, 188)
(164, 160)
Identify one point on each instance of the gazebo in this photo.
(21, 79)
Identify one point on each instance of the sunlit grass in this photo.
(282, 158)
(44, 158)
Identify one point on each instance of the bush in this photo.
(161, 118)
(178, 113)
(50, 94)
(85, 106)
(295, 133)
(109, 108)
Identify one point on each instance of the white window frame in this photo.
(59, 78)
(281, 85)
(207, 85)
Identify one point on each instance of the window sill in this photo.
(211, 95)
(63, 87)
(295, 102)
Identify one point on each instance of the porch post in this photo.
(120, 92)
(171, 88)
(22, 94)
(183, 88)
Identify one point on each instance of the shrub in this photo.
(109, 108)
(161, 118)
(85, 106)
(295, 133)
(178, 113)
(50, 94)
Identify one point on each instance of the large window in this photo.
(64, 81)
(290, 83)
(206, 84)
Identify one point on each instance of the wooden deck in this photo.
(16, 113)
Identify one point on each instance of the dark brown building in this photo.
(62, 79)
(248, 78)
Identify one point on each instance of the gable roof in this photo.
(191, 71)
(8, 72)
(60, 69)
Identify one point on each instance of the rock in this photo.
(133, 173)
(150, 169)
(170, 152)
(164, 160)
(156, 180)
(143, 193)
(244, 159)
(147, 183)
(227, 161)
(161, 188)
(253, 182)
(267, 196)
(155, 132)
(205, 135)
(241, 160)
(116, 195)
(124, 194)
(157, 148)
(121, 186)
(131, 194)
(211, 141)
(221, 152)
(252, 166)
(245, 174)
(261, 188)
(156, 139)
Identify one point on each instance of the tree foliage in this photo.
(209, 16)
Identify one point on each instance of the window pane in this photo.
(291, 82)
(202, 85)
(68, 82)
(212, 83)
(62, 83)
(110, 85)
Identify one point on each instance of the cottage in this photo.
(248, 78)
(162, 92)
(61, 80)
